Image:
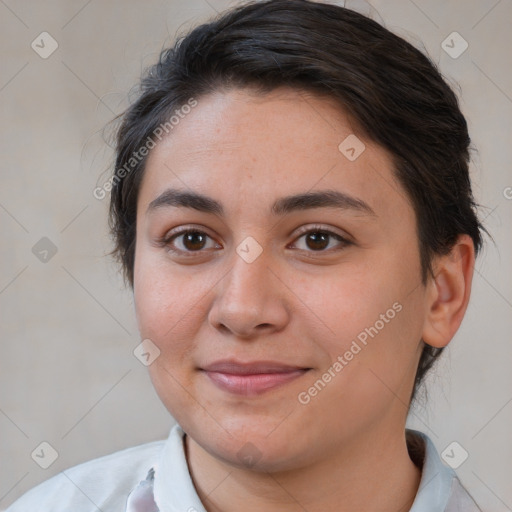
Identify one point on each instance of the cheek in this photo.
(168, 312)
(362, 380)
(169, 304)
(372, 318)
(351, 299)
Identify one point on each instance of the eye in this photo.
(189, 240)
(318, 239)
(193, 241)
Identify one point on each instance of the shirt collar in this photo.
(436, 479)
(174, 490)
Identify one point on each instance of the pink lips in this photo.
(251, 378)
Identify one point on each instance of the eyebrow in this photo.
(284, 205)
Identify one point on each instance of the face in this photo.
(289, 314)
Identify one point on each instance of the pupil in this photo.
(319, 240)
(194, 240)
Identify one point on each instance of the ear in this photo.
(448, 292)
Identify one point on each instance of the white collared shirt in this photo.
(154, 477)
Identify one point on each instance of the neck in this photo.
(374, 473)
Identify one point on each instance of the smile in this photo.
(251, 378)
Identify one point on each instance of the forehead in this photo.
(244, 148)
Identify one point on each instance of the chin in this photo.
(258, 447)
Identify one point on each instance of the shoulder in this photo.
(103, 483)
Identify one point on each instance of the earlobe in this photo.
(448, 292)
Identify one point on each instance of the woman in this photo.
(292, 208)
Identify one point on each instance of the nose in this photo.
(250, 300)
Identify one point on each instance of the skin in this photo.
(345, 449)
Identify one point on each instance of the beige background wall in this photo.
(68, 375)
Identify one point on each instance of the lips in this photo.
(251, 378)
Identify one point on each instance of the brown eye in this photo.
(321, 240)
(317, 240)
(189, 241)
(194, 240)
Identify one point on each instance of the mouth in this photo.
(252, 378)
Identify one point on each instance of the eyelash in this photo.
(167, 240)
